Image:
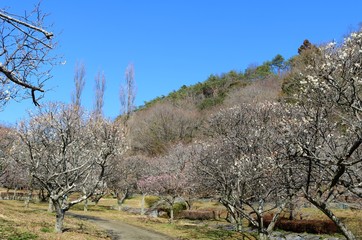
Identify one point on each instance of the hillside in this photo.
(215, 89)
(180, 116)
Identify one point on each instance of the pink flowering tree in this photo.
(167, 186)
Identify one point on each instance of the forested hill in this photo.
(214, 90)
(180, 116)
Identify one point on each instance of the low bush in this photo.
(309, 226)
(151, 200)
(300, 226)
(198, 215)
(177, 208)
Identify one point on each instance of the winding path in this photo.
(123, 231)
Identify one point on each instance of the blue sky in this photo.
(174, 43)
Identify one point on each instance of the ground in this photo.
(120, 230)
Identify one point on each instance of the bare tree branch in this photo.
(9, 19)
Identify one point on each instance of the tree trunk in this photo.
(171, 213)
(85, 208)
(239, 226)
(50, 205)
(291, 208)
(261, 219)
(59, 218)
(120, 200)
(263, 233)
(14, 197)
(42, 196)
(189, 202)
(271, 226)
(323, 207)
(143, 204)
(28, 198)
(171, 203)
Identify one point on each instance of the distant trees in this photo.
(24, 55)
(265, 90)
(7, 135)
(100, 87)
(278, 64)
(79, 82)
(127, 93)
(12, 174)
(153, 131)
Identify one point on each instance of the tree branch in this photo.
(15, 80)
(48, 35)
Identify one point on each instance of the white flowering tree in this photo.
(25, 60)
(242, 162)
(330, 91)
(66, 152)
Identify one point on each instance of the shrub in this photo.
(151, 200)
(198, 215)
(178, 207)
(300, 226)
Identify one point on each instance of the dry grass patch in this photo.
(17, 222)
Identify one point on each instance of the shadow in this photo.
(85, 217)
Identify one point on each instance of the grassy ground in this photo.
(184, 229)
(20, 223)
(179, 229)
(17, 223)
(352, 218)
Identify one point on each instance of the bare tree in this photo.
(100, 87)
(127, 93)
(156, 129)
(259, 91)
(24, 55)
(66, 152)
(79, 82)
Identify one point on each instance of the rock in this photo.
(294, 237)
(153, 214)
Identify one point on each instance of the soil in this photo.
(123, 231)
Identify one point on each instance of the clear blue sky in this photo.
(176, 42)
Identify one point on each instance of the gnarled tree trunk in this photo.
(324, 208)
(60, 212)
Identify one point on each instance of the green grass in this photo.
(8, 231)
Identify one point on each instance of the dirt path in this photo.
(121, 230)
